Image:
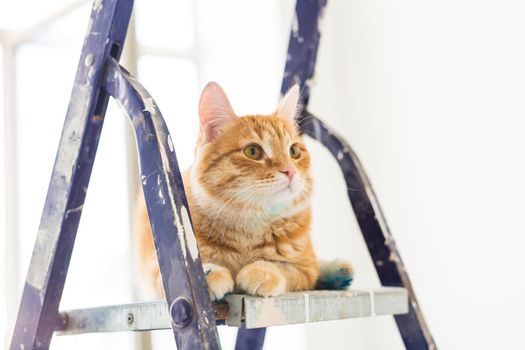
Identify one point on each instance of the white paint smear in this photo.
(295, 26)
(161, 196)
(180, 233)
(268, 313)
(98, 5)
(149, 105)
(170, 144)
(209, 267)
(190, 236)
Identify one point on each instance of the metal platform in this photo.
(253, 311)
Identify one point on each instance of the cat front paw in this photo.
(261, 278)
(220, 281)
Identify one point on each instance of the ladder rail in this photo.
(47, 271)
(374, 228)
(185, 287)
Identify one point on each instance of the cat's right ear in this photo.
(215, 111)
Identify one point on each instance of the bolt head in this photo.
(181, 312)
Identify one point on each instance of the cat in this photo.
(249, 194)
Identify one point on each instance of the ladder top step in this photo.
(255, 312)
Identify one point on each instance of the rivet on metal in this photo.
(181, 312)
(131, 318)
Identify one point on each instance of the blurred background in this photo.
(429, 93)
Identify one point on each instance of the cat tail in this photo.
(334, 275)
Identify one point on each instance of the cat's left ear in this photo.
(289, 105)
(215, 111)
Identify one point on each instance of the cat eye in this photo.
(295, 152)
(253, 151)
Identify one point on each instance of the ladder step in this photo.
(314, 306)
(255, 312)
(139, 316)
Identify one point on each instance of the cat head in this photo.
(254, 161)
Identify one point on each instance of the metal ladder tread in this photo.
(252, 311)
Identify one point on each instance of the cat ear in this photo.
(289, 105)
(214, 111)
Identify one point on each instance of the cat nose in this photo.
(290, 172)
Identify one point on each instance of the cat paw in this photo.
(334, 275)
(261, 278)
(220, 282)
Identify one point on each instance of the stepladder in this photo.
(187, 309)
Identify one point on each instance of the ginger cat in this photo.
(249, 196)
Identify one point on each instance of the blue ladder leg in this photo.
(378, 238)
(38, 313)
(300, 66)
(186, 291)
(250, 339)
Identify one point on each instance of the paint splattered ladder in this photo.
(187, 309)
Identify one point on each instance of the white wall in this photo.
(430, 94)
